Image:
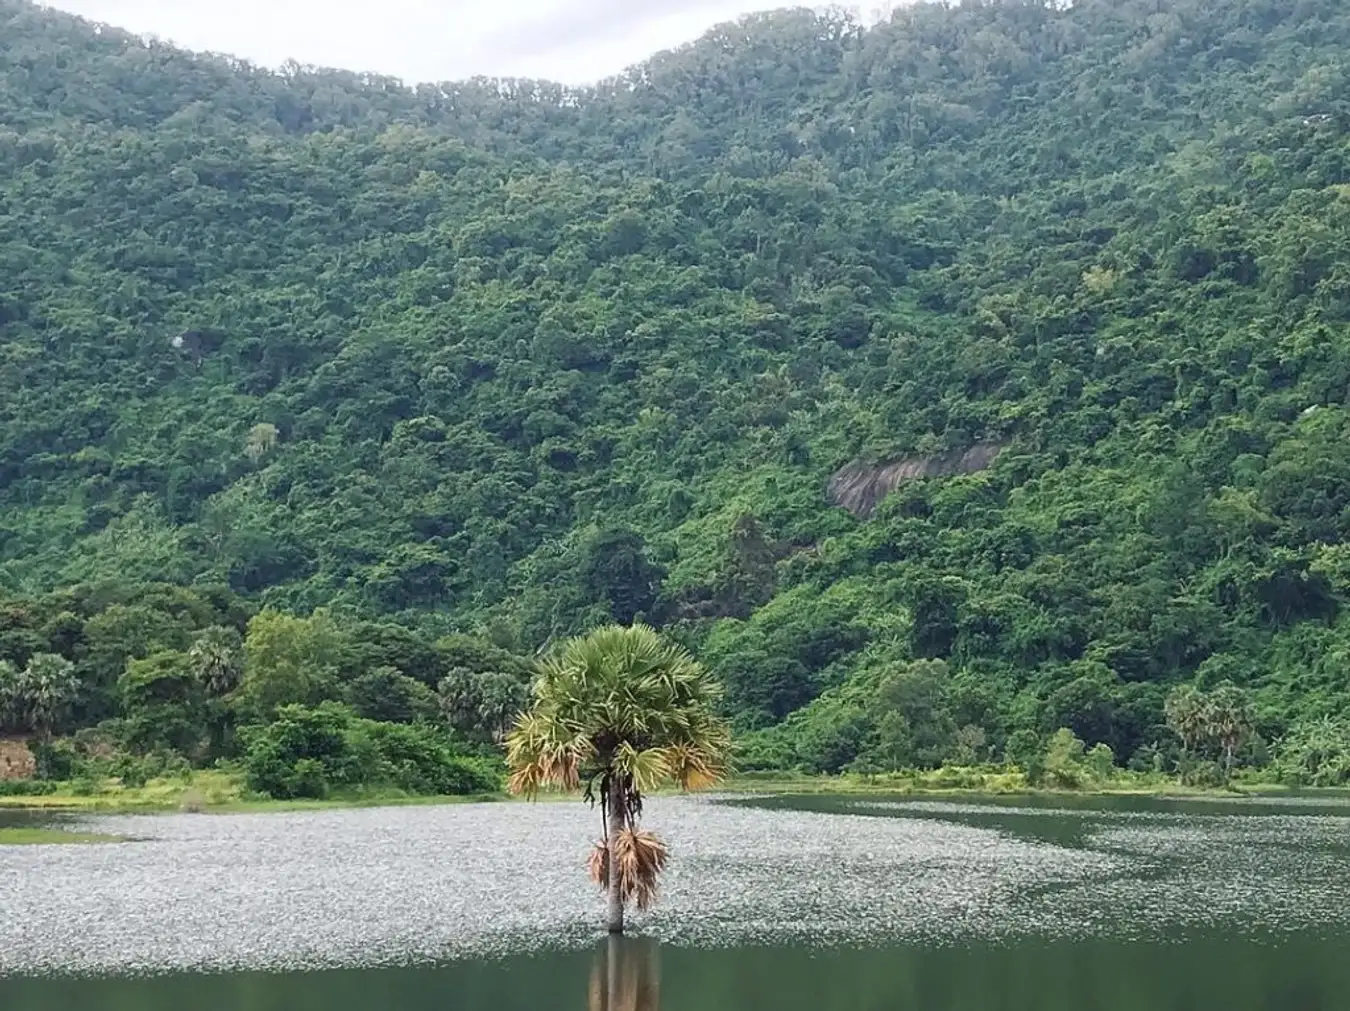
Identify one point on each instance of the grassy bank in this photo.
(201, 790)
(51, 837)
(973, 781)
(205, 791)
(224, 792)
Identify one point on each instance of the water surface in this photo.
(820, 902)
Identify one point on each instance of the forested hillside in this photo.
(499, 361)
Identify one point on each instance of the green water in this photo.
(1289, 974)
(1169, 906)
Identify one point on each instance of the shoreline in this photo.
(213, 792)
(923, 785)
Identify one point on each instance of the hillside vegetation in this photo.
(430, 378)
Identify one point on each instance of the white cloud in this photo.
(575, 41)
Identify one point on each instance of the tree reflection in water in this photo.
(626, 975)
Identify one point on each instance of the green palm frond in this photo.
(619, 699)
(646, 769)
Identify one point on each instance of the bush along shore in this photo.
(228, 790)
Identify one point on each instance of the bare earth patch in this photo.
(16, 760)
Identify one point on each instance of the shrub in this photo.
(420, 759)
(25, 788)
(954, 777)
(131, 771)
(1315, 753)
(1024, 751)
(84, 786)
(1102, 761)
(56, 760)
(304, 752)
(313, 752)
(1201, 772)
(137, 770)
(1064, 760)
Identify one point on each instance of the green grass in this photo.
(211, 791)
(52, 837)
(203, 790)
(983, 781)
(220, 792)
(375, 799)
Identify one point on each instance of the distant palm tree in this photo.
(11, 712)
(1185, 713)
(617, 714)
(217, 660)
(1218, 722)
(1231, 723)
(38, 696)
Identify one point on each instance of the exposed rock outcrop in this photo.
(16, 761)
(859, 486)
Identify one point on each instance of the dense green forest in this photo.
(326, 403)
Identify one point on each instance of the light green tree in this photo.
(261, 440)
(287, 660)
(1064, 759)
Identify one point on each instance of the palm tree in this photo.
(11, 711)
(617, 714)
(1219, 721)
(1185, 713)
(1231, 723)
(217, 660)
(38, 696)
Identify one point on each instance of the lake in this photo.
(862, 902)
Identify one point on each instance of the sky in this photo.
(573, 41)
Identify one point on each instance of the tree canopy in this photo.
(1059, 291)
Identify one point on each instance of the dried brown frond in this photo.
(639, 858)
(694, 768)
(598, 865)
(560, 769)
(524, 781)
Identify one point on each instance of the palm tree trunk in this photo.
(617, 814)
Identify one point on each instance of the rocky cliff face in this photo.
(16, 761)
(859, 486)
